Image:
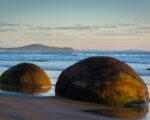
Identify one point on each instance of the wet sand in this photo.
(24, 107)
(28, 107)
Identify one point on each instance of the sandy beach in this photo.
(18, 106)
(24, 107)
(27, 107)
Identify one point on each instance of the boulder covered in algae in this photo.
(26, 75)
(103, 80)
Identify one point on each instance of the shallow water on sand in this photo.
(123, 113)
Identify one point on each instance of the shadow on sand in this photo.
(123, 113)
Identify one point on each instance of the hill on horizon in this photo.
(36, 48)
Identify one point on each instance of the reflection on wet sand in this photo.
(25, 90)
(124, 113)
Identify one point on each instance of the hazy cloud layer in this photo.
(8, 24)
(141, 28)
(7, 30)
(104, 30)
(82, 27)
(75, 27)
(126, 25)
(67, 28)
(116, 34)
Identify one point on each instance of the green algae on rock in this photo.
(26, 75)
(102, 80)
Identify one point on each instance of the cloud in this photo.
(7, 30)
(116, 34)
(83, 27)
(140, 30)
(77, 27)
(110, 26)
(28, 25)
(44, 28)
(117, 25)
(8, 24)
(126, 25)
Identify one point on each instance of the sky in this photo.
(80, 24)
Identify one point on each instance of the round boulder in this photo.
(102, 80)
(26, 75)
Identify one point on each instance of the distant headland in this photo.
(37, 48)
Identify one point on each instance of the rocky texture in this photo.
(26, 75)
(26, 90)
(102, 80)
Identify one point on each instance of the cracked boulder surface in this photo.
(103, 80)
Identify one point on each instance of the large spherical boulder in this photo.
(102, 80)
(26, 75)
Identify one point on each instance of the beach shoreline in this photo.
(22, 107)
(16, 105)
(28, 107)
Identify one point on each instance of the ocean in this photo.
(53, 63)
